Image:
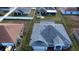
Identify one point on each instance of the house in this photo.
(43, 11)
(19, 11)
(4, 10)
(69, 10)
(76, 33)
(49, 34)
(22, 11)
(10, 34)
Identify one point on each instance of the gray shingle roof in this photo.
(47, 34)
(24, 10)
(49, 8)
(51, 34)
(45, 8)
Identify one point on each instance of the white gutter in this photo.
(13, 9)
(54, 11)
(16, 17)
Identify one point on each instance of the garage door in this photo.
(39, 48)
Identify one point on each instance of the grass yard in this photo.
(55, 18)
(24, 46)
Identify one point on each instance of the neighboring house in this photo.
(4, 10)
(76, 33)
(43, 11)
(22, 11)
(49, 34)
(69, 10)
(10, 33)
(19, 11)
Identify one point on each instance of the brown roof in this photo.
(70, 8)
(9, 31)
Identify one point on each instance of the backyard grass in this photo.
(55, 18)
(24, 46)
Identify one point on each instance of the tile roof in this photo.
(9, 32)
(69, 8)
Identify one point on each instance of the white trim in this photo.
(16, 17)
(50, 11)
